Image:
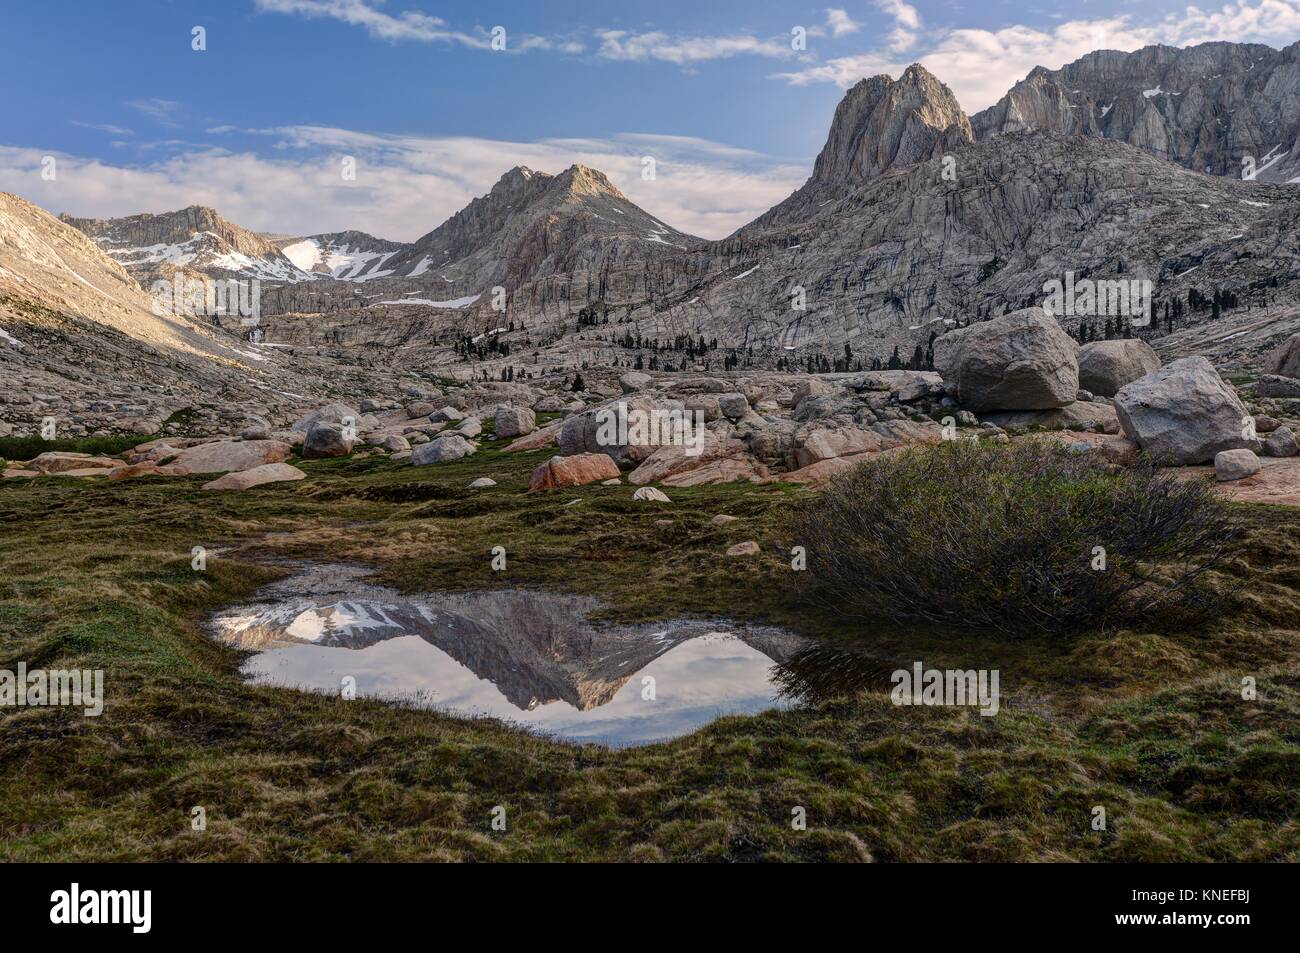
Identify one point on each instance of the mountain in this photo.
(194, 239)
(532, 224)
(880, 124)
(346, 256)
(1205, 107)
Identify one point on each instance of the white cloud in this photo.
(839, 22)
(907, 22)
(981, 65)
(404, 186)
(160, 110)
(104, 127)
(684, 50)
(407, 25)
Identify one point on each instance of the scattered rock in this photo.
(326, 440)
(329, 414)
(1106, 366)
(648, 494)
(1019, 361)
(1271, 385)
(633, 381)
(396, 443)
(267, 473)
(443, 450)
(747, 548)
(447, 414)
(574, 470)
(65, 462)
(482, 483)
(1281, 443)
(1184, 413)
(513, 422)
(1232, 465)
(228, 456)
(722, 519)
(470, 427)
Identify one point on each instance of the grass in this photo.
(1150, 725)
(25, 448)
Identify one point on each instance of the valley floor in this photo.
(1149, 725)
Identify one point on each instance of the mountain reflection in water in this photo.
(532, 658)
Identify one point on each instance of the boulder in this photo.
(546, 437)
(64, 462)
(809, 387)
(229, 456)
(573, 470)
(747, 548)
(823, 443)
(1284, 360)
(648, 494)
(267, 473)
(482, 483)
(443, 450)
(1184, 414)
(1232, 465)
(1281, 443)
(418, 409)
(1120, 451)
(1019, 361)
(329, 414)
(326, 440)
(633, 381)
(733, 406)
(513, 422)
(396, 443)
(446, 414)
(1106, 366)
(731, 469)
(470, 427)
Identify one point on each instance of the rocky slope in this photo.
(1205, 107)
(195, 239)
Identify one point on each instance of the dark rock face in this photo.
(1206, 107)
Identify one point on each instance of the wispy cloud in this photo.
(404, 186)
(413, 26)
(159, 110)
(907, 23)
(104, 127)
(683, 50)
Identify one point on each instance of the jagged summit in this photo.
(880, 124)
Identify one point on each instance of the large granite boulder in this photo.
(1106, 366)
(575, 470)
(329, 414)
(1185, 414)
(228, 456)
(247, 479)
(1019, 361)
(442, 450)
(512, 422)
(326, 440)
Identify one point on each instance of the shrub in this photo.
(981, 535)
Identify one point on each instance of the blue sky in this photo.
(258, 123)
